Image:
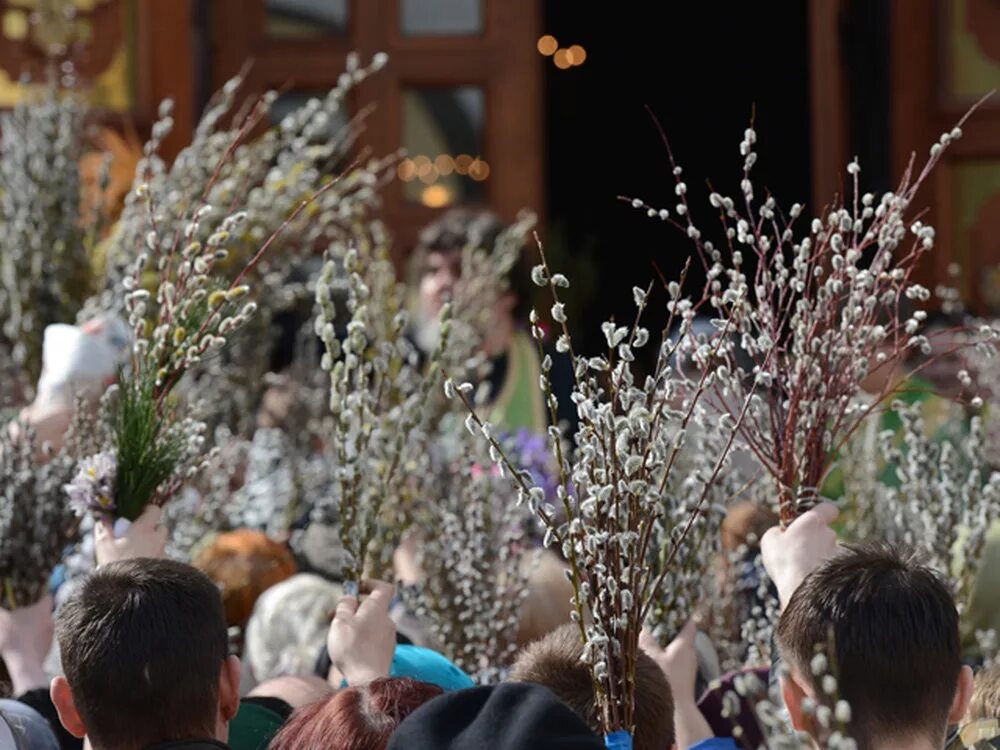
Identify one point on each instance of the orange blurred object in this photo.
(244, 564)
(547, 45)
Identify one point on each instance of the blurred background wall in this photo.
(550, 104)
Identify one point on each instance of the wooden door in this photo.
(462, 91)
(946, 55)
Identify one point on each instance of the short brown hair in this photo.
(894, 631)
(143, 643)
(555, 662)
(985, 702)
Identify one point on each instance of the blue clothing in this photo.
(620, 740)
(715, 743)
(429, 666)
(426, 665)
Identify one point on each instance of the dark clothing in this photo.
(253, 727)
(509, 716)
(711, 706)
(256, 722)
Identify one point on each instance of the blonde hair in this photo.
(547, 604)
(985, 703)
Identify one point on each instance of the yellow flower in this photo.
(236, 292)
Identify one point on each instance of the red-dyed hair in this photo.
(361, 718)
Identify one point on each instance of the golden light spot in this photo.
(547, 44)
(562, 59)
(462, 162)
(15, 25)
(479, 170)
(436, 196)
(428, 176)
(422, 164)
(444, 164)
(578, 54)
(406, 170)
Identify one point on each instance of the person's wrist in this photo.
(683, 701)
(786, 584)
(682, 693)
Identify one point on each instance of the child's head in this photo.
(890, 628)
(555, 662)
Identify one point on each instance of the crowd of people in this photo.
(868, 639)
(146, 664)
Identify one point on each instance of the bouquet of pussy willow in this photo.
(44, 240)
(36, 525)
(235, 160)
(182, 308)
(378, 399)
(611, 492)
(474, 556)
(935, 493)
(809, 313)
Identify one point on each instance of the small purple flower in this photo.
(531, 453)
(92, 489)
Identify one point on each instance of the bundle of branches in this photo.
(183, 322)
(378, 398)
(44, 262)
(474, 560)
(269, 175)
(810, 316)
(200, 508)
(945, 500)
(611, 493)
(36, 526)
(263, 484)
(683, 585)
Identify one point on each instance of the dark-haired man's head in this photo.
(555, 662)
(144, 651)
(438, 266)
(892, 625)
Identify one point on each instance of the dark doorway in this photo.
(702, 69)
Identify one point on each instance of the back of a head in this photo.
(895, 635)
(289, 625)
(361, 718)
(555, 662)
(143, 642)
(459, 228)
(548, 600)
